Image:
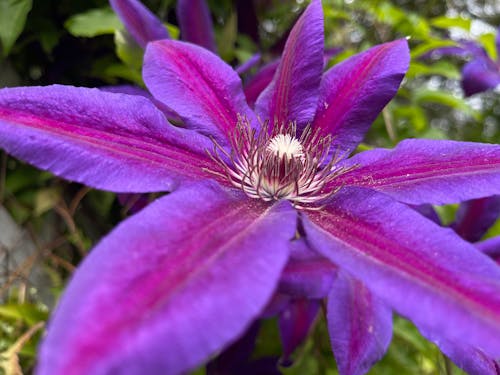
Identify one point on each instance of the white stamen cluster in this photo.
(275, 163)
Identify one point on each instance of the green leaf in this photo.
(28, 313)
(488, 42)
(441, 68)
(446, 99)
(444, 22)
(447, 213)
(46, 199)
(128, 50)
(414, 114)
(173, 31)
(94, 22)
(12, 19)
(226, 38)
(429, 45)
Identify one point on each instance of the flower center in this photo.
(286, 145)
(276, 163)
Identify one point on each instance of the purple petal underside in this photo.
(475, 217)
(195, 23)
(490, 247)
(143, 25)
(471, 360)
(205, 91)
(428, 211)
(421, 270)
(307, 274)
(293, 92)
(255, 85)
(295, 323)
(252, 62)
(497, 43)
(354, 92)
(480, 74)
(108, 141)
(170, 286)
(421, 171)
(360, 325)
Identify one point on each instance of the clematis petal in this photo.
(293, 93)
(143, 25)
(360, 325)
(471, 360)
(354, 92)
(205, 91)
(307, 274)
(490, 247)
(428, 211)
(168, 276)
(254, 87)
(421, 270)
(421, 171)
(252, 62)
(108, 141)
(295, 323)
(134, 90)
(195, 23)
(475, 217)
(497, 43)
(478, 75)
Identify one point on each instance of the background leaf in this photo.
(12, 19)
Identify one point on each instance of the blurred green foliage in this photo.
(81, 42)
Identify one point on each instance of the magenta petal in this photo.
(360, 326)
(421, 270)
(475, 217)
(108, 141)
(143, 25)
(170, 286)
(307, 273)
(293, 93)
(480, 74)
(295, 322)
(428, 171)
(195, 23)
(205, 91)
(354, 92)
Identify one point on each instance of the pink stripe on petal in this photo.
(170, 286)
(428, 171)
(293, 93)
(205, 91)
(354, 92)
(421, 270)
(108, 141)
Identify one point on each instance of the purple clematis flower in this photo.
(186, 276)
(481, 73)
